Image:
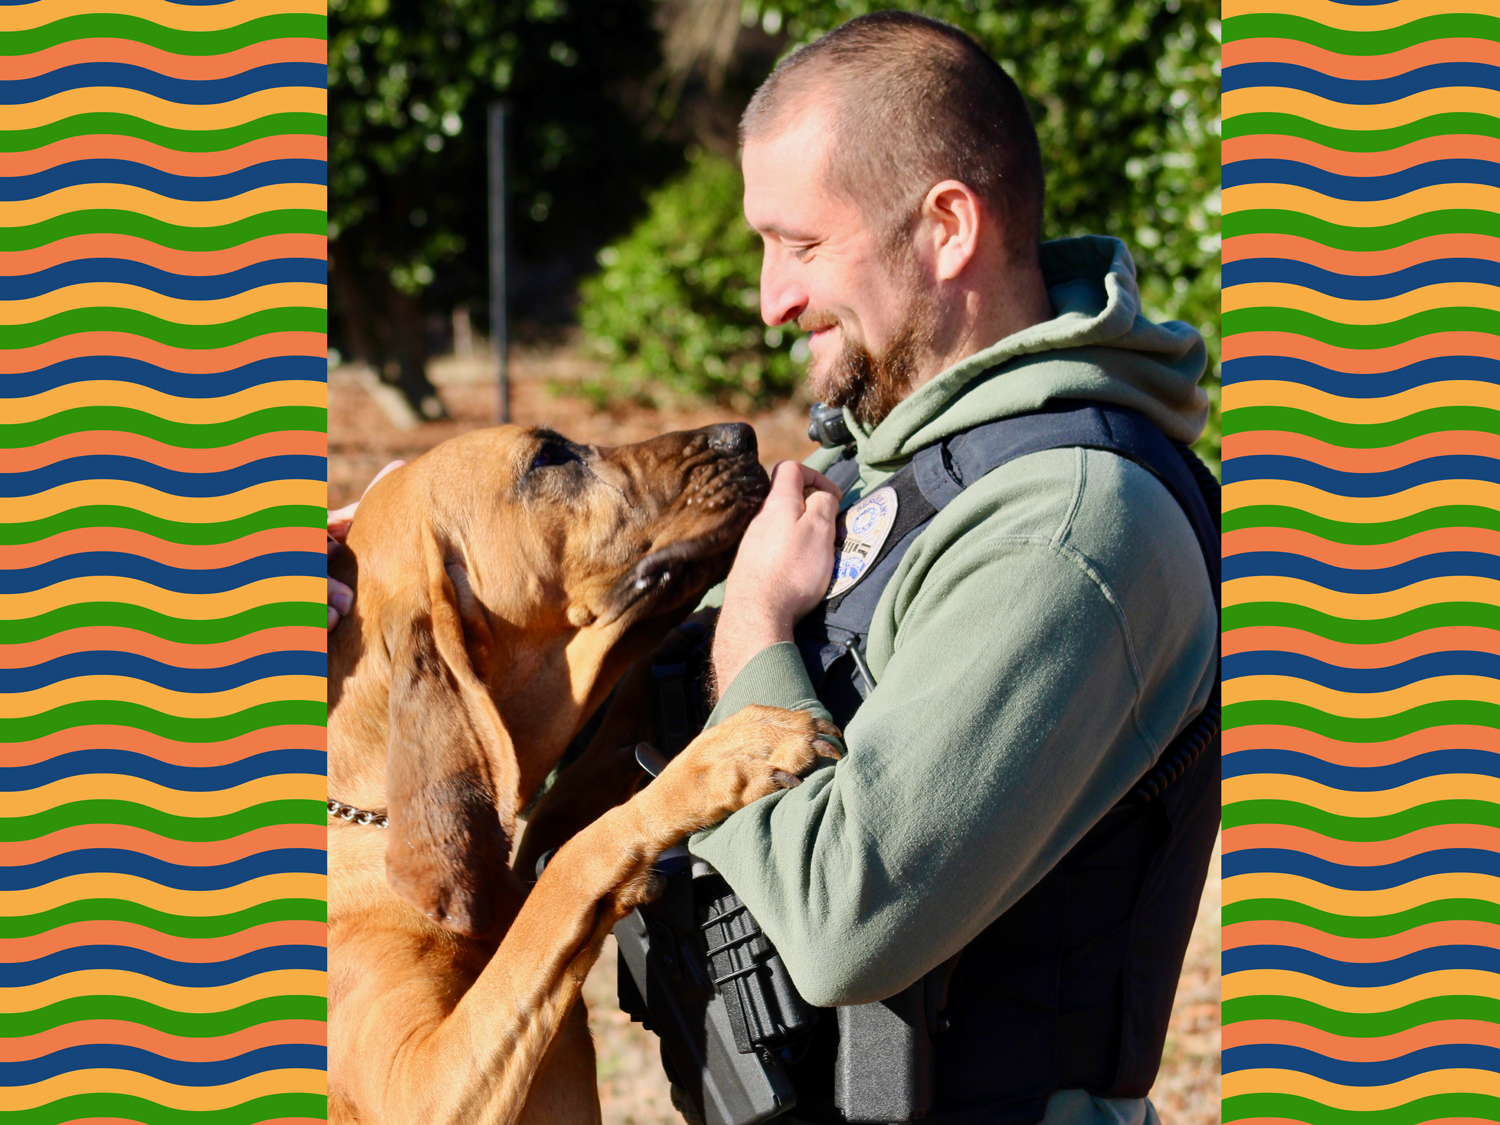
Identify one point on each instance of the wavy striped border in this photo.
(1362, 562)
(163, 453)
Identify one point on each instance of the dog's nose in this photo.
(732, 437)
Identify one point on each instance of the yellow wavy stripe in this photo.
(129, 1083)
(1360, 607)
(174, 802)
(1284, 982)
(179, 212)
(1276, 294)
(106, 294)
(1379, 802)
(1429, 396)
(184, 704)
(1360, 705)
(1350, 17)
(184, 17)
(1362, 1097)
(1363, 213)
(110, 392)
(180, 998)
(1363, 509)
(169, 900)
(1362, 904)
(185, 509)
(188, 607)
(1340, 115)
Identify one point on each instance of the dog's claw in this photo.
(826, 750)
(785, 780)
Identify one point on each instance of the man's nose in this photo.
(782, 298)
(732, 437)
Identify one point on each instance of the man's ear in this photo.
(952, 211)
(451, 769)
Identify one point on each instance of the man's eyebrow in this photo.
(784, 234)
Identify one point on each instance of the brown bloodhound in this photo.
(504, 581)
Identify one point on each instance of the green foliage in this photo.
(676, 307)
(1125, 98)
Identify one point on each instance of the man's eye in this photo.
(554, 455)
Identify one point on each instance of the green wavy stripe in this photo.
(101, 221)
(1373, 632)
(1380, 926)
(1362, 238)
(131, 1108)
(1260, 25)
(1361, 435)
(1361, 336)
(167, 332)
(1389, 531)
(192, 1025)
(1360, 140)
(1345, 729)
(112, 25)
(267, 814)
(119, 910)
(184, 435)
(1360, 829)
(182, 140)
(123, 615)
(1432, 1108)
(217, 728)
(1362, 1025)
(111, 515)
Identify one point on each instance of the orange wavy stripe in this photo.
(188, 361)
(1275, 638)
(125, 444)
(1369, 853)
(196, 951)
(1453, 147)
(197, 263)
(198, 67)
(1361, 753)
(1358, 951)
(1361, 263)
(1363, 67)
(1350, 1049)
(188, 853)
(324, 1121)
(1378, 460)
(114, 147)
(1357, 361)
(180, 654)
(185, 1048)
(163, 749)
(1356, 556)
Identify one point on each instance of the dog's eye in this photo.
(553, 454)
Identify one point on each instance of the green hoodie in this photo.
(1042, 641)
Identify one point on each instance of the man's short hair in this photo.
(915, 101)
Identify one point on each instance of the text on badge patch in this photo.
(860, 534)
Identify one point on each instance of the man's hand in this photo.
(781, 570)
(340, 597)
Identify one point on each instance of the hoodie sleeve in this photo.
(1036, 667)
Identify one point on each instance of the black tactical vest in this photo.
(1072, 987)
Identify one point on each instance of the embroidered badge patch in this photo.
(860, 534)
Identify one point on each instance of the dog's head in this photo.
(510, 575)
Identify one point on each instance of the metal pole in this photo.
(499, 327)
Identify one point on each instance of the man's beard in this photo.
(871, 385)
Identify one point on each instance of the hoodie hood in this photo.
(1097, 346)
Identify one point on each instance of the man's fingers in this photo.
(340, 600)
(811, 478)
(823, 507)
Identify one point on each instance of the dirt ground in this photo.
(362, 438)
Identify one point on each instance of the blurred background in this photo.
(632, 299)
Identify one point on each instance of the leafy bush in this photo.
(1125, 98)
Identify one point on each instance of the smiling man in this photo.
(1046, 631)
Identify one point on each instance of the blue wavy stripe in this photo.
(1362, 189)
(115, 1056)
(186, 779)
(1361, 91)
(1285, 564)
(119, 861)
(1365, 681)
(1378, 877)
(1386, 483)
(1361, 779)
(1351, 287)
(119, 564)
(108, 466)
(1447, 1056)
(1363, 974)
(308, 368)
(183, 91)
(187, 287)
(191, 974)
(1379, 385)
(196, 189)
(169, 676)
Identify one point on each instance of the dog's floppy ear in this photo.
(451, 770)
